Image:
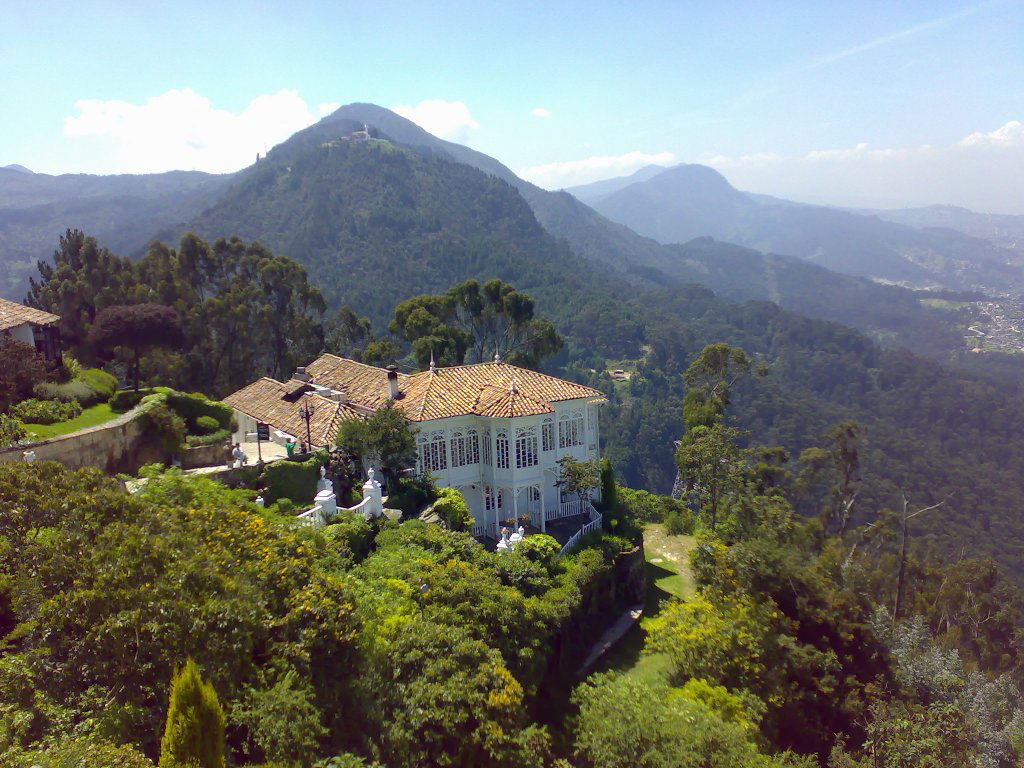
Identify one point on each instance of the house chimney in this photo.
(301, 375)
(340, 396)
(393, 392)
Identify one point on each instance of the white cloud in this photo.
(182, 130)
(449, 120)
(983, 171)
(1009, 135)
(569, 173)
(540, 112)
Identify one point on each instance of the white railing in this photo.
(566, 509)
(593, 525)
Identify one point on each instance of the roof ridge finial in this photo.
(433, 366)
(497, 356)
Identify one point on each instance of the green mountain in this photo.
(890, 314)
(688, 201)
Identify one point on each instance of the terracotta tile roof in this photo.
(494, 390)
(280, 405)
(13, 314)
(364, 384)
(485, 389)
(499, 403)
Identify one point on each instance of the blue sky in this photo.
(832, 101)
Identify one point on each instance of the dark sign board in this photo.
(262, 431)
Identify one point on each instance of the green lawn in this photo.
(668, 578)
(90, 417)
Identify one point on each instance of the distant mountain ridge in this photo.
(688, 201)
(1006, 230)
(123, 212)
(596, 190)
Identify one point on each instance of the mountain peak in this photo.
(16, 167)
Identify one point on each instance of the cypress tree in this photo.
(194, 735)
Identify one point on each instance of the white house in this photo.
(31, 326)
(492, 430)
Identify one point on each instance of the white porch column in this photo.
(515, 505)
(543, 511)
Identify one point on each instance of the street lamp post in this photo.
(307, 414)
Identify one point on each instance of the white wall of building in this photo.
(23, 333)
(520, 484)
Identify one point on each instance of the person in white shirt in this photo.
(239, 455)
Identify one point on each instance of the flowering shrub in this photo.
(33, 411)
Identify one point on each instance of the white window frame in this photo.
(501, 459)
(570, 429)
(494, 498)
(465, 448)
(526, 447)
(547, 435)
(433, 450)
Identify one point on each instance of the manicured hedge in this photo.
(89, 387)
(193, 406)
(295, 480)
(219, 436)
(35, 411)
(206, 425)
(102, 383)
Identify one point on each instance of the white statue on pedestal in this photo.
(323, 484)
(372, 496)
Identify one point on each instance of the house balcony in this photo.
(567, 523)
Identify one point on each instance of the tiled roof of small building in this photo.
(13, 314)
(280, 404)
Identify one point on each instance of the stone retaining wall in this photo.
(218, 454)
(121, 445)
